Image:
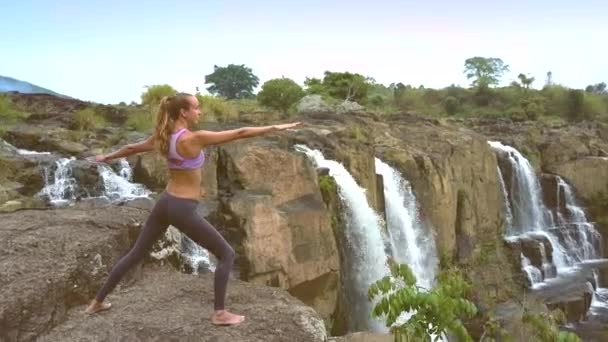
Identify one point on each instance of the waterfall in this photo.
(572, 238)
(411, 243)
(364, 244)
(118, 187)
(534, 274)
(582, 240)
(507, 205)
(60, 187)
(529, 213)
(196, 256)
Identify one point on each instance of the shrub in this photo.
(8, 113)
(433, 313)
(87, 119)
(451, 104)
(155, 93)
(218, 108)
(142, 120)
(280, 93)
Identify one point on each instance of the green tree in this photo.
(315, 86)
(451, 105)
(525, 81)
(155, 93)
(232, 81)
(346, 86)
(599, 88)
(575, 101)
(280, 93)
(484, 71)
(433, 313)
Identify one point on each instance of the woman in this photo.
(177, 204)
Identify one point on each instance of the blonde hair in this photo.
(168, 113)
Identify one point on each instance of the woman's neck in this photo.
(179, 125)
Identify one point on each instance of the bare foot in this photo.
(96, 307)
(223, 317)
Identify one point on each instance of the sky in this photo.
(108, 51)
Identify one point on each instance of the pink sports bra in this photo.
(175, 161)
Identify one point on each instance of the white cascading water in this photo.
(60, 187)
(118, 187)
(534, 274)
(507, 204)
(572, 237)
(582, 240)
(196, 256)
(529, 214)
(411, 242)
(364, 243)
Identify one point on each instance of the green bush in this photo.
(575, 101)
(217, 108)
(87, 119)
(141, 120)
(434, 312)
(280, 93)
(155, 93)
(451, 104)
(8, 113)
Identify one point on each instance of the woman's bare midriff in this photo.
(185, 183)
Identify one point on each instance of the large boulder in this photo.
(53, 261)
(166, 306)
(273, 206)
(588, 175)
(313, 104)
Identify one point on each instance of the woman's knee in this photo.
(228, 254)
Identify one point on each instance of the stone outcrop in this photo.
(166, 306)
(52, 264)
(271, 209)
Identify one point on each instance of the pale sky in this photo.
(107, 51)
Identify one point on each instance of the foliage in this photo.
(8, 113)
(484, 71)
(314, 86)
(87, 119)
(217, 108)
(346, 86)
(433, 313)
(155, 93)
(545, 329)
(599, 88)
(232, 81)
(280, 93)
(575, 100)
(451, 104)
(141, 119)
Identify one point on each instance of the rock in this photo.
(363, 337)
(453, 174)
(166, 306)
(41, 263)
(283, 225)
(588, 175)
(313, 104)
(349, 107)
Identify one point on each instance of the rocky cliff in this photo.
(267, 199)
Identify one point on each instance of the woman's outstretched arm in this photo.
(127, 150)
(205, 138)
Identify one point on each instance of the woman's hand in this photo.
(286, 126)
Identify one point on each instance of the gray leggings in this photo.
(180, 213)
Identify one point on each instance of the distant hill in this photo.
(9, 84)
